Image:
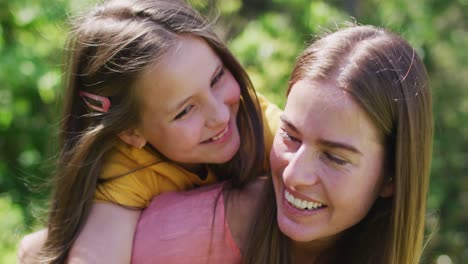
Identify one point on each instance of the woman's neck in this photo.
(310, 252)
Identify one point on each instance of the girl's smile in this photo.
(191, 119)
(221, 136)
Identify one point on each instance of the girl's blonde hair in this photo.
(108, 49)
(385, 76)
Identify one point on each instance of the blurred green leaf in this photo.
(6, 116)
(47, 85)
(12, 229)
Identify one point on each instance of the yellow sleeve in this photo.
(133, 190)
(271, 122)
(138, 188)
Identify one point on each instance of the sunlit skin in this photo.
(327, 151)
(190, 103)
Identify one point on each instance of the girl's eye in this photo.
(183, 112)
(287, 136)
(335, 159)
(217, 77)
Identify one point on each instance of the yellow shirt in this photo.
(132, 177)
(271, 122)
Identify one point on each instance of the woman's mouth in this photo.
(300, 203)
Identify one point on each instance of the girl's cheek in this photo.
(232, 95)
(191, 126)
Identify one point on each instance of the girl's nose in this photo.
(217, 113)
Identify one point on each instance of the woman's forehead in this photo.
(321, 108)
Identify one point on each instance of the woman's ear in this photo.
(133, 137)
(388, 187)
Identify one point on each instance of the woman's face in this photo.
(190, 104)
(326, 162)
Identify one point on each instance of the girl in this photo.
(349, 169)
(154, 103)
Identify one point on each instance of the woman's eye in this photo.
(217, 77)
(287, 136)
(335, 159)
(183, 112)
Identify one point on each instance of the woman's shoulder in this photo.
(181, 227)
(205, 225)
(208, 194)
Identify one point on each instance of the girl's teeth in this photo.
(301, 204)
(221, 134)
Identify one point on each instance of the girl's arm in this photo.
(107, 236)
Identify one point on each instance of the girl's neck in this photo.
(199, 169)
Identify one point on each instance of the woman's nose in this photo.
(302, 169)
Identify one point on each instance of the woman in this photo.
(350, 169)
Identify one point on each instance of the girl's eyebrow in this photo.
(216, 72)
(179, 105)
(217, 69)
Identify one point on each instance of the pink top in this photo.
(178, 227)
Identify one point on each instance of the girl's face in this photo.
(326, 164)
(190, 103)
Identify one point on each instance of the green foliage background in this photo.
(266, 36)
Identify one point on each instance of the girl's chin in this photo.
(229, 153)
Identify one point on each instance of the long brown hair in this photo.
(385, 76)
(108, 49)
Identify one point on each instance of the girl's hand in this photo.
(30, 245)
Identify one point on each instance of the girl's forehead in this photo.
(184, 70)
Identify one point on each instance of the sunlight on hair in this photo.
(444, 259)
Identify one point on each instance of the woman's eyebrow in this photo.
(335, 144)
(325, 142)
(288, 123)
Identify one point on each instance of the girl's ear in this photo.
(387, 189)
(133, 137)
